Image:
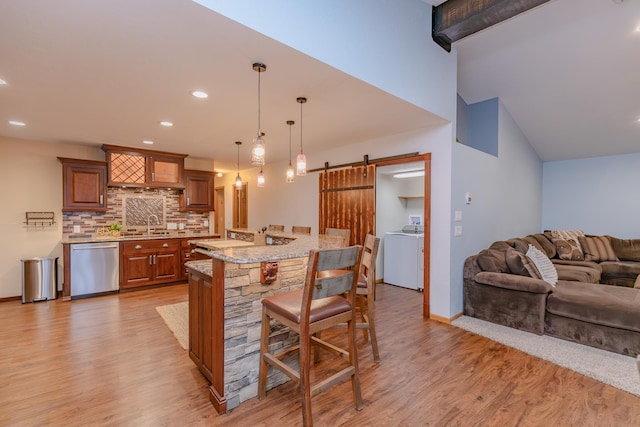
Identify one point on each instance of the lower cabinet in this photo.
(149, 262)
(206, 329)
(188, 253)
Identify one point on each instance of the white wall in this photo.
(385, 43)
(33, 183)
(598, 195)
(506, 196)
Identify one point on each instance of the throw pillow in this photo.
(597, 248)
(521, 265)
(569, 235)
(544, 265)
(568, 249)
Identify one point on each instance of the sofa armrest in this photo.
(513, 282)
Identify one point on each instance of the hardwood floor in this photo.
(112, 361)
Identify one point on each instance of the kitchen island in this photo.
(225, 309)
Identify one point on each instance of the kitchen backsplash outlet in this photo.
(120, 211)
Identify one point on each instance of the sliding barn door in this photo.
(348, 200)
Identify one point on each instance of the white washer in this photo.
(404, 259)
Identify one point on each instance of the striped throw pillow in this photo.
(597, 248)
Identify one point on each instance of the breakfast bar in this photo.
(225, 294)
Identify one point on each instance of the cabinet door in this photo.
(165, 171)
(137, 269)
(195, 338)
(127, 169)
(167, 266)
(84, 186)
(206, 328)
(198, 191)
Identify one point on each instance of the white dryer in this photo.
(404, 257)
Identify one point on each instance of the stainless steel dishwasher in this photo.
(95, 268)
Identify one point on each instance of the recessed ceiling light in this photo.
(166, 124)
(219, 174)
(147, 142)
(200, 94)
(17, 123)
(2, 82)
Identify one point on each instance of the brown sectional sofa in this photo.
(595, 301)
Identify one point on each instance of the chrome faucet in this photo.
(149, 223)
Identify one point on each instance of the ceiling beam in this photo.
(456, 19)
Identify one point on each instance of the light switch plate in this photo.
(172, 226)
(76, 229)
(206, 222)
(458, 230)
(458, 216)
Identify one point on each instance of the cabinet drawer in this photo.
(151, 245)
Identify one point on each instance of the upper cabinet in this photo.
(84, 185)
(198, 191)
(129, 167)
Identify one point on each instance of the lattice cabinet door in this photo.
(127, 168)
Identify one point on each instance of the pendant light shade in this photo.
(301, 160)
(261, 178)
(258, 150)
(238, 179)
(290, 172)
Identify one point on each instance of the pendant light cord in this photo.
(301, 126)
(259, 72)
(289, 145)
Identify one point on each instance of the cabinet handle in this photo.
(138, 247)
(150, 259)
(165, 245)
(101, 198)
(187, 255)
(188, 203)
(153, 176)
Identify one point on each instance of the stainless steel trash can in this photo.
(39, 279)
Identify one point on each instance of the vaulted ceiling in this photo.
(109, 72)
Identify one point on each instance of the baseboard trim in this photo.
(443, 319)
(7, 299)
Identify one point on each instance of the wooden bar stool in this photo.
(298, 229)
(323, 303)
(365, 295)
(274, 227)
(345, 233)
(366, 292)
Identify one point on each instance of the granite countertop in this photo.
(95, 239)
(299, 247)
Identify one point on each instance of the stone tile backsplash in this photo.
(131, 207)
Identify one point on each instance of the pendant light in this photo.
(259, 146)
(261, 178)
(290, 172)
(301, 160)
(238, 179)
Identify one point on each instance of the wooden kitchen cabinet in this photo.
(84, 185)
(188, 253)
(128, 167)
(149, 262)
(198, 191)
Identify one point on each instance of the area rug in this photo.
(610, 368)
(176, 317)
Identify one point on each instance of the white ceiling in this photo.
(568, 72)
(96, 72)
(106, 72)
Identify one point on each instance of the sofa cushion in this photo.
(543, 264)
(626, 249)
(597, 248)
(547, 245)
(521, 265)
(493, 260)
(627, 269)
(578, 273)
(599, 304)
(589, 264)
